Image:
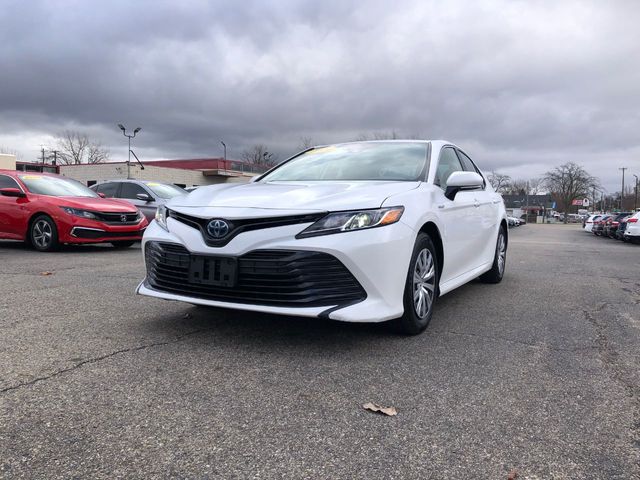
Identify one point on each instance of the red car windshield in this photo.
(55, 186)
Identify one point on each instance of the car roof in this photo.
(15, 173)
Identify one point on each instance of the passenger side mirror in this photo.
(145, 197)
(12, 192)
(459, 181)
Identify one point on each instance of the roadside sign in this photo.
(576, 202)
(585, 202)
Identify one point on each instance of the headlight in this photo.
(79, 213)
(161, 217)
(355, 220)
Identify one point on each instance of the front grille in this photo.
(80, 232)
(238, 226)
(287, 278)
(116, 218)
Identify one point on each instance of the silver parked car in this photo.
(145, 195)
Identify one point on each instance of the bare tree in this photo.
(76, 147)
(499, 182)
(305, 143)
(259, 155)
(11, 151)
(569, 182)
(536, 186)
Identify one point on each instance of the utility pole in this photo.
(42, 155)
(635, 202)
(622, 191)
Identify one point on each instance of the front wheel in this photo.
(421, 288)
(499, 261)
(43, 234)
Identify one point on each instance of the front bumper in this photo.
(81, 230)
(378, 259)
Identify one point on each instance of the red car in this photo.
(48, 210)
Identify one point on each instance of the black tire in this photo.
(122, 243)
(499, 260)
(43, 234)
(423, 259)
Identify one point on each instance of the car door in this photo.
(13, 212)
(459, 219)
(129, 191)
(489, 202)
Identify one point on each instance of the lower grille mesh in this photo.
(265, 277)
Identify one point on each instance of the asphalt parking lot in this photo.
(539, 374)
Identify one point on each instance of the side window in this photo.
(8, 182)
(109, 190)
(447, 164)
(469, 166)
(130, 190)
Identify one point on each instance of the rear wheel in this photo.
(43, 234)
(122, 244)
(499, 261)
(421, 288)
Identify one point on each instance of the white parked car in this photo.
(358, 232)
(588, 224)
(632, 232)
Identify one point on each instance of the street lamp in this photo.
(124, 132)
(225, 149)
(635, 203)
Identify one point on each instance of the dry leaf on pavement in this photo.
(390, 411)
(44, 274)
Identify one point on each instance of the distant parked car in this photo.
(632, 231)
(622, 227)
(513, 221)
(598, 225)
(47, 210)
(588, 223)
(611, 225)
(145, 195)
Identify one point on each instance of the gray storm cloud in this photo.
(523, 86)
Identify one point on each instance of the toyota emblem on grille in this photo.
(123, 218)
(217, 228)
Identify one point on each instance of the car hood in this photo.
(95, 204)
(306, 196)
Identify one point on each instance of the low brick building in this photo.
(185, 173)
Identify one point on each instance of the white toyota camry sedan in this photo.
(358, 232)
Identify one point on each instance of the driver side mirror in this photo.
(12, 192)
(102, 195)
(459, 181)
(145, 197)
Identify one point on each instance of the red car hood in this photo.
(95, 204)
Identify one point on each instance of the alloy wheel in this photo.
(42, 233)
(424, 280)
(502, 253)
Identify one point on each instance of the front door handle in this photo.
(476, 204)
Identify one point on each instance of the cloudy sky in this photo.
(523, 86)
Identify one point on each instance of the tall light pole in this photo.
(635, 202)
(622, 191)
(225, 149)
(124, 132)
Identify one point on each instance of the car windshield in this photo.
(164, 190)
(55, 186)
(390, 161)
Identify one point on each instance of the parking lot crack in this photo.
(100, 359)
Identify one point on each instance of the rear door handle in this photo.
(476, 204)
